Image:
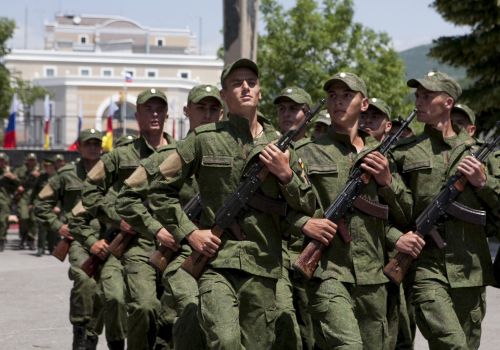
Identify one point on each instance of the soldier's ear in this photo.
(365, 103)
(222, 95)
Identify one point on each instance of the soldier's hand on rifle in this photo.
(278, 163)
(63, 231)
(322, 230)
(99, 249)
(20, 189)
(57, 210)
(204, 242)
(126, 228)
(378, 165)
(9, 175)
(410, 244)
(166, 239)
(35, 174)
(473, 171)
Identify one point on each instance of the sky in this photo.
(410, 23)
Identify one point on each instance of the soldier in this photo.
(293, 323)
(109, 175)
(463, 116)
(180, 299)
(375, 119)
(8, 185)
(237, 291)
(322, 122)
(348, 292)
(45, 236)
(66, 188)
(27, 173)
(396, 125)
(124, 140)
(448, 285)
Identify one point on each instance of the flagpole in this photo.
(124, 104)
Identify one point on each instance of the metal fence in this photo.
(31, 132)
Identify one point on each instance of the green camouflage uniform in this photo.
(348, 293)
(7, 189)
(449, 285)
(27, 220)
(66, 188)
(141, 299)
(180, 298)
(237, 291)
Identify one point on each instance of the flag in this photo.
(47, 122)
(128, 77)
(107, 140)
(74, 146)
(9, 140)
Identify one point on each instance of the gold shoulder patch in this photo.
(78, 210)
(171, 165)
(46, 192)
(98, 171)
(138, 176)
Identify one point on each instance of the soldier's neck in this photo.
(350, 129)
(444, 125)
(89, 164)
(155, 140)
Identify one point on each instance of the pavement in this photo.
(34, 303)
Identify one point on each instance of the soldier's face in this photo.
(3, 164)
(319, 129)
(462, 120)
(290, 114)
(395, 129)
(432, 106)
(151, 115)
(90, 149)
(59, 164)
(207, 110)
(344, 105)
(375, 122)
(50, 169)
(30, 163)
(241, 91)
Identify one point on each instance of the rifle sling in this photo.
(267, 205)
(380, 211)
(464, 213)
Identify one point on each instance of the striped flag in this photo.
(47, 122)
(128, 77)
(107, 140)
(9, 140)
(74, 146)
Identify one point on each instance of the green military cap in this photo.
(124, 139)
(438, 81)
(88, 134)
(354, 82)
(324, 117)
(201, 91)
(58, 157)
(30, 156)
(241, 63)
(149, 94)
(295, 94)
(48, 161)
(4, 155)
(381, 106)
(461, 108)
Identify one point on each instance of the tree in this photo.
(7, 27)
(26, 91)
(307, 44)
(477, 51)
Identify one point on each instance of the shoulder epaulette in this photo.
(209, 127)
(125, 142)
(67, 167)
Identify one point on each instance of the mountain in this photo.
(418, 64)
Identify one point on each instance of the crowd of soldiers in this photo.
(249, 295)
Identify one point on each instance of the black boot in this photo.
(116, 345)
(39, 253)
(79, 338)
(21, 244)
(31, 244)
(2, 245)
(92, 342)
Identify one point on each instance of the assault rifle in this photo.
(91, 265)
(196, 262)
(161, 257)
(349, 198)
(440, 208)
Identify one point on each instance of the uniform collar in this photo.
(171, 143)
(369, 141)
(462, 135)
(244, 124)
(166, 136)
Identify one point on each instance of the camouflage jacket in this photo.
(27, 180)
(129, 205)
(425, 164)
(7, 187)
(328, 161)
(219, 155)
(40, 182)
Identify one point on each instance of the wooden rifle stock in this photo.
(160, 258)
(91, 265)
(119, 244)
(196, 262)
(62, 249)
(397, 268)
(308, 260)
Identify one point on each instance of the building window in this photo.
(49, 71)
(83, 39)
(107, 72)
(160, 41)
(85, 71)
(151, 73)
(184, 74)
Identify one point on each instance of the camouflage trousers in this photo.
(180, 302)
(400, 334)
(449, 318)
(4, 220)
(142, 292)
(237, 309)
(47, 238)
(346, 316)
(110, 283)
(85, 307)
(27, 221)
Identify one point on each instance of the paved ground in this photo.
(34, 303)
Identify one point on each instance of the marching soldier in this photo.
(375, 119)
(180, 299)
(396, 125)
(322, 122)
(59, 161)
(463, 116)
(8, 186)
